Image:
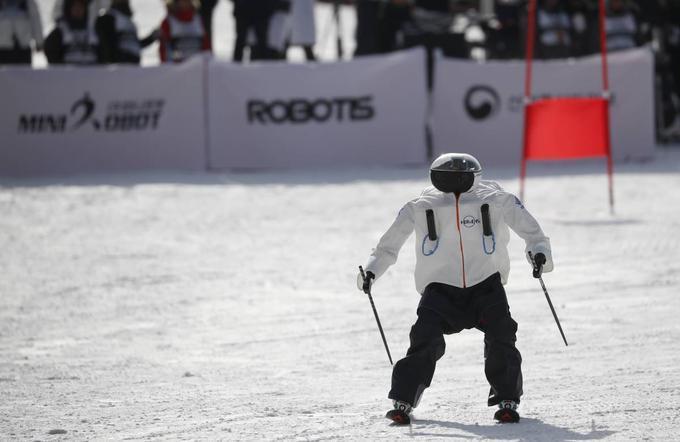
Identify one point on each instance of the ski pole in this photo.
(375, 313)
(537, 274)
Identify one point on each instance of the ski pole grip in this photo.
(486, 220)
(538, 261)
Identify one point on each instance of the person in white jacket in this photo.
(292, 24)
(19, 26)
(621, 27)
(303, 27)
(461, 226)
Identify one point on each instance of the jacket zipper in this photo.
(460, 239)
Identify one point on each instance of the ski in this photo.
(506, 416)
(398, 417)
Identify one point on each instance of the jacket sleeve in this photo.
(164, 40)
(526, 226)
(206, 45)
(150, 39)
(57, 10)
(386, 252)
(54, 49)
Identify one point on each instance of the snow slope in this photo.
(223, 307)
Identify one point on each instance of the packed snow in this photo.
(223, 306)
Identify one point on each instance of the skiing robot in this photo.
(461, 226)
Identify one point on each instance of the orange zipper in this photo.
(460, 238)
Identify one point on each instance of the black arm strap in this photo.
(486, 220)
(431, 229)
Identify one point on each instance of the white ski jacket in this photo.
(461, 255)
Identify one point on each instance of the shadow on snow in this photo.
(527, 429)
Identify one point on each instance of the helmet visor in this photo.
(451, 181)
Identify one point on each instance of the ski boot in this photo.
(507, 412)
(400, 414)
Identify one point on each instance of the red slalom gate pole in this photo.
(528, 77)
(606, 94)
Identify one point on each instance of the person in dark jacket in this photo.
(621, 26)
(553, 30)
(368, 14)
(252, 16)
(430, 26)
(117, 33)
(505, 40)
(394, 15)
(585, 33)
(206, 9)
(73, 40)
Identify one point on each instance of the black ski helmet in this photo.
(455, 172)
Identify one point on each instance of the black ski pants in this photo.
(445, 309)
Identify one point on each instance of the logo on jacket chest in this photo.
(470, 221)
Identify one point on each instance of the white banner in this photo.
(478, 107)
(369, 111)
(83, 120)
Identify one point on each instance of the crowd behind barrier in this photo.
(103, 31)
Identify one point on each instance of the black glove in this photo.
(539, 260)
(365, 283)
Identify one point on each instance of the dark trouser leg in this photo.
(206, 10)
(367, 23)
(502, 360)
(309, 53)
(241, 37)
(413, 373)
(262, 51)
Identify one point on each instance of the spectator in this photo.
(279, 26)
(303, 27)
(292, 24)
(621, 27)
(393, 17)
(668, 70)
(585, 26)
(206, 9)
(505, 38)
(368, 22)
(430, 26)
(649, 16)
(672, 42)
(553, 31)
(73, 40)
(94, 7)
(117, 33)
(251, 16)
(19, 25)
(182, 34)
